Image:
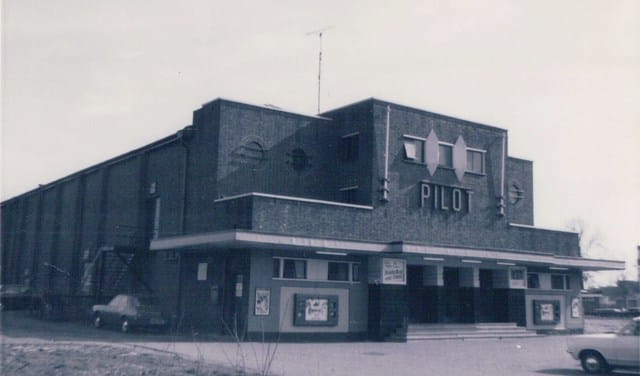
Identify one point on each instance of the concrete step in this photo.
(418, 332)
(439, 330)
(490, 325)
(462, 336)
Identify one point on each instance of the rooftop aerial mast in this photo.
(319, 33)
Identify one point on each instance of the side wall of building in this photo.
(51, 235)
(354, 121)
(519, 189)
(262, 150)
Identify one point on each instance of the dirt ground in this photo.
(81, 359)
(36, 347)
(30, 346)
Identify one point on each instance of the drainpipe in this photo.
(184, 136)
(385, 180)
(501, 204)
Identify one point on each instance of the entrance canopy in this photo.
(252, 239)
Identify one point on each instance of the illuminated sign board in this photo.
(394, 271)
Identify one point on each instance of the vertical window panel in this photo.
(349, 147)
(445, 155)
(276, 268)
(294, 269)
(338, 271)
(475, 161)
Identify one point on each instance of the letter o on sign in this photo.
(457, 199)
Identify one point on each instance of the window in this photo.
(338, 271)
(533, 281)
(445, 155)
(475, 161)
(294, 269)
(355, 272)
(631, 329)
(560, 282)
(414, 149)
(517, 274)
(276, 268)
(316, 270)
(348, 147)
(349, 195)
(154, 218)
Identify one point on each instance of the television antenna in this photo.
(319, 33)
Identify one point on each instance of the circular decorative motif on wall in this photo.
(299, 159)
(250, 153)
(515, 193)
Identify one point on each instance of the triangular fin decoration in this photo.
(432, 152)
(460, 158)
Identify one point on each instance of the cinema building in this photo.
(353, 224)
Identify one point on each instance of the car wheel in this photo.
(125, 327)
(97, 321)
(593, 362)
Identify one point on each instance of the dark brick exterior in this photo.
(233, 149)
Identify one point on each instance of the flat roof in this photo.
(416, 109)
(270, 107)
(247, 238)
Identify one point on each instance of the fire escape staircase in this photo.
(115, 270)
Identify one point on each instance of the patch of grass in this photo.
(76, 360)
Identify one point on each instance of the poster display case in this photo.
(315, 310)
(546, 312)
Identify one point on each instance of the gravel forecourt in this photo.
(35, 347)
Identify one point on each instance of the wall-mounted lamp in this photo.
(433, 259)
(472, 261)
(331, 253)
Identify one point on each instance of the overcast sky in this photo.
(87, 80)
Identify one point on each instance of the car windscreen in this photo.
(147, 301)
(630, 329)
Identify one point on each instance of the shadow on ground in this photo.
(571, 372)
(560, 371)
(19, 325)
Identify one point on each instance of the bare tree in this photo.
(590, 241)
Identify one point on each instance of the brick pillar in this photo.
(388, 310)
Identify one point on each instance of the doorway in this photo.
(424, 302)
(202, 294)
(458, 300)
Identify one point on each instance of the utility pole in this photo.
(319, 33)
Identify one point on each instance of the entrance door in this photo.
(202, 294)
(422, 300)
(414, 283)
(492, 304)
(459, 301)
(486, 300)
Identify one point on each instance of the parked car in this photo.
(599, 353)
(128, 312)
(14, 297)
(617, 312)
